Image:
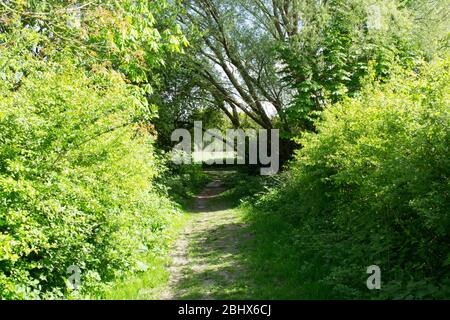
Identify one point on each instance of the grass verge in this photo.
(149, 284)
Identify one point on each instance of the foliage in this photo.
(77, 163)
(282, 62)
(176, 111)
(75, 181)
(83, 182)
(130, 36)
(329, 57)
(371, 187)
(182, 182)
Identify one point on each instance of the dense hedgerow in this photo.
(76, 176)
(371, 187)
(78, 168)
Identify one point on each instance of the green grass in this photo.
(148, 285)
(144, 286)
(273, 265)
(279, 269)
(276, 267)
(224, 276)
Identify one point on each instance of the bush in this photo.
(181, 182)
(76, 171)
(372, 187)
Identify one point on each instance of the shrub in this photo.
(76, 172)
(181, 182)
(372, 187)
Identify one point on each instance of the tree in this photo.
(281, 61)
(119, 35)
(237, 59)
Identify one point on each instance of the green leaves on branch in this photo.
(123, 35)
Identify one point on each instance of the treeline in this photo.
(279, 64)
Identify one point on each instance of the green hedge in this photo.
(76, 172)
(372, 187)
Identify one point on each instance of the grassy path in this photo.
(221, 250)
(207, 259)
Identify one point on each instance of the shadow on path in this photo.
(208, 259)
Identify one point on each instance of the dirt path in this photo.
(206, 259)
